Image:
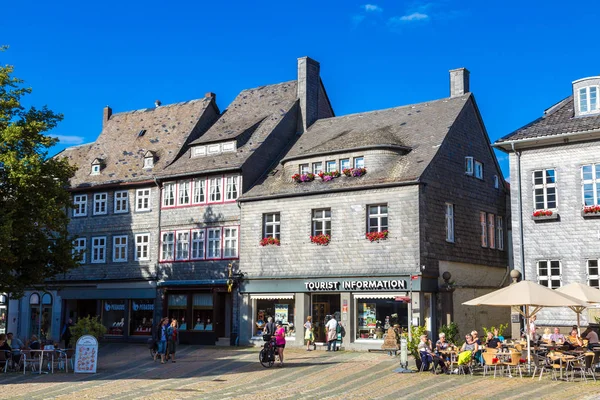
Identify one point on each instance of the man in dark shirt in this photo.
(493, 342)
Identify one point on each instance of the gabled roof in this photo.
(415, 132)
(122, 149)
(249, 120)
(557, 120)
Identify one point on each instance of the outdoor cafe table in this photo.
(44, 353)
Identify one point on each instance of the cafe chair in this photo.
(590, 363)
(424, 361)
(488, 358)
(514, 363)
(30, 358)
(577, 364)
(541, 363)
(5, 357)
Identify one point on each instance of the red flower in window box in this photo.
(377, 236)
(270, 240)
(542, 213)
(354, 172)
(308, 177)
(328, 176)
(591, 210)
(321, 239)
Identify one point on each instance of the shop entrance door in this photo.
(323, 306)
(221, 314)
(85, 308)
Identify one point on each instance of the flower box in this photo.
(308, 177)
(354, 172)
(328, 176)
(376, 236)
(590, 212)
(270, 241)
(540, 215)
(321, 240)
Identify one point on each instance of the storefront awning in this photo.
(271, 296)
(107, 294)
(379, 295)
(203, 282)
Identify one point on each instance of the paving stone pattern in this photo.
(128, 372)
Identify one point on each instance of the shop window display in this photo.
(280, 310)
(34, 312)
(113, 316)
(46, 317)
(177, 308)
(375, 316)
(3, 312)
(140, 317)
(202, 309)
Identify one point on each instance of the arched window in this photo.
(47, 299)
(34, 299)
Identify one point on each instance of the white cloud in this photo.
(372, 8)
(66, 139)
(416, 16)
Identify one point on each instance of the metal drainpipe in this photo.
(520, 211)
(158, 233)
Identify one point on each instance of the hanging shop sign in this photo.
(393, 284)
(114, 306)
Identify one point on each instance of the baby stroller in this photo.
(153, 346)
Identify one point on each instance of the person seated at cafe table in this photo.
(592, 338)
(497, 335)
(546, 337)
(34, 343)
(442, 344)
(492, 342)
(467, 350)
(427, 355)
(557, 337)
(573, 339)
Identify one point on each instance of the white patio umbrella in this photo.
(529, 295)
(583, 292)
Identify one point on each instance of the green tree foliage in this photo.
(34, 242)
(87, 326)
(451, 332)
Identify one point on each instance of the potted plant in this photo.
(87, 326)
(321, 239)
(416, 332)
(299, 178)
(377, 236)
(591, 211)
(270, 240)
(543, 215)
(451, 332)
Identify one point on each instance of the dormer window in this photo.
(96, 167)
(214, 148)
(588, 100)
(149, 160)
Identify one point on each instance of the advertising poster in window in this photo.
(86, 355)
(366, 315)
(281, 313)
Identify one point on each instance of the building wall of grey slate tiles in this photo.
(571, 238)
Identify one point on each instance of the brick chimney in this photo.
(309, 84)
(459, 82)
(211, 95)
(106, 117)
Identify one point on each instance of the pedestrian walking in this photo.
(172, 333)
(280, 341)
(161, 333)
(331, 328)
(269, 327)
(309, 335)
(66, 333)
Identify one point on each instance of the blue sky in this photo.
(80, 56)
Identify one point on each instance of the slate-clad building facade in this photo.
(555, 172)
(422, 182)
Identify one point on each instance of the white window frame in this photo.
(199, 151)
(169, 194)
(80, 247)
(121, 200)
(167, 245)
(184, 193)
(100, 201)
(142, 196)
(95, 169)
(232, 187)
(344, 164)
(491, 222)
(379, 215)
(317, 167)
(119, 253)
(496, 182)
(587, 100)
(319, 217)
(215, 189)
(148, 162)
(80, 205)
(230, 242)
(272, 228)
(98, 255)
(359, 162)
(590, 276)
(182, 245)
(483, 223)
(303, 169)
(499, 232)
(594, 182)
(199, 191)
(142, 247)
(330, 166)
(450, 222)
(469, 166)
(213, 243)
(198, 244)
(548, 277)
(544, 187)
(478, 170)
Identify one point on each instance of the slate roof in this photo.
(122, 149)
(249, 119)
(419, 128)
(558, 119)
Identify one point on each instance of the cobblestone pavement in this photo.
(126, 371)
